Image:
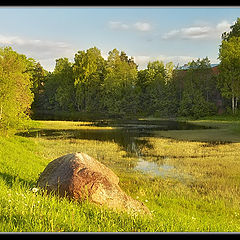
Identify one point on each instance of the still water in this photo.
(127, 135)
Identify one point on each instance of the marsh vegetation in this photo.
(198, 189)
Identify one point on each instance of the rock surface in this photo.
(80, 176)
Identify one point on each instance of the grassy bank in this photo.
(222, 130)
(207, 200)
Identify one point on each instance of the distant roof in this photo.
(185, 66)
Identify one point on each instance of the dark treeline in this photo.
(91, 85)
(116, 87)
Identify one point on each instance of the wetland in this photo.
(130, 135)
(185, 172)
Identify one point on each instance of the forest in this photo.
(115, 87)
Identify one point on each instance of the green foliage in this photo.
(48, 101)
(198, 91)
(229, 80)
(229, 55)
(119, 84)
(88, 71)
(234, 32)
(15, 94)
(114, 86)
(65, 90)
(157, 91)
(193, 104)
(229, 66)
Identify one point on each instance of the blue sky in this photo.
(177, 34)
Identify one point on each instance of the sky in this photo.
(168, 34)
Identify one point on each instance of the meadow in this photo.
(204, 198)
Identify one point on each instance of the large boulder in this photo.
(81, 177)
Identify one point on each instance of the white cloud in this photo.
(118, 25)
(143, 26)
(178, 59)
(196, 32)
(44, 51)
(139, 26)
(206, 31)
(171, 34)
(142, 60)
(223, 26)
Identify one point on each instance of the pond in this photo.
(127, 134)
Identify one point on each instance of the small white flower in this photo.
(137, 197)
(146, 200)
(35, 190)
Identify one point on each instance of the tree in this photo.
(141, 90)
(228, 83)
(88, 70)
(202, 76)
(193, 103)
(169, 67)
(63, 74)
(47, 100)
(119, 84)
(234, 32)
(15, 94)
(156, 79)
(197, 89)
(157, 93)
(37, 79)
(229, 75)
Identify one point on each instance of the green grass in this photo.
(221, 130)
(209, 201)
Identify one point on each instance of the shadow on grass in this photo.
(10, 180)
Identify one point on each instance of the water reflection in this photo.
(163, 170)
(127, 140)
(127, 135)
(151, 168)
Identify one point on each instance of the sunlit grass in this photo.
(67, 125)
(222, 131)
(209, 200)
(214, 169)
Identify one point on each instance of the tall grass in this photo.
(207, 201)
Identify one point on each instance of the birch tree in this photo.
(229, 75)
